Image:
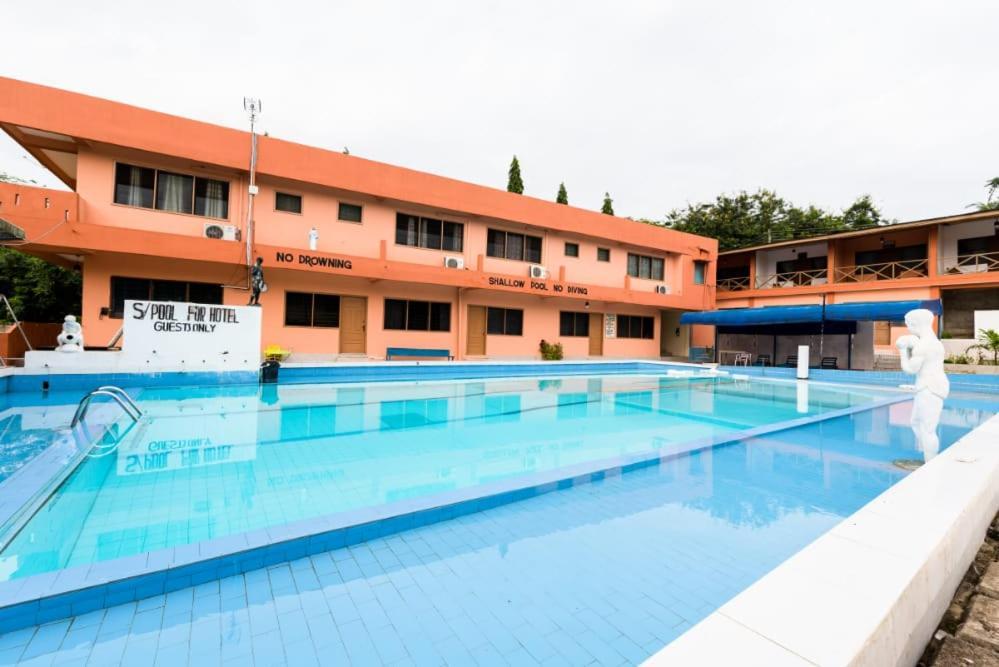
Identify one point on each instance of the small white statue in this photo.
(313, 238)
(71, 338)
(922, 354)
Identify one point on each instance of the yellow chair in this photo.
(275, 353)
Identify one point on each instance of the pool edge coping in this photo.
(882, 577)
(49, 596)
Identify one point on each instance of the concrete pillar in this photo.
(933, 252)
(831, 260)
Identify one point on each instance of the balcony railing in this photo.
(978, 263)
(788, 279)
(733, 284)
(793, 279)
(912, 268)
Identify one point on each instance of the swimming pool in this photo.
(604, 573)
(206, 463)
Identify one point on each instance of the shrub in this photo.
(958, 359)
(550, 352)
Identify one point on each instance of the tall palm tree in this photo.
(991, 203)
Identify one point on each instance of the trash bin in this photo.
(269, 372)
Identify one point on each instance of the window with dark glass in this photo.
(429, 233)
(211, 198)
(144, 289)
(174, 192)
(305, 309)
(978, 245)
(288, 203)
(505, 321)
(167, 191)
(603, 254)
(572, 250)
(133, 186)
(169, 290)
(650, 268)
(349, 212)
(700, 271)
(574, 324)
(401, 314)
(635, 326)
(508, 245)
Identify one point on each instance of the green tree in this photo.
(738, 220)
(608, 205)
(747, 219)
(991, 203)
(988, 341)
(863, 213)
(514, 182)
(38, 291)
(562, 197)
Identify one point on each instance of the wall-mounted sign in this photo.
(313, 261)
(610, 325)
(538, 286)
(193, 333)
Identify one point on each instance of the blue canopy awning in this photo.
(891, 311)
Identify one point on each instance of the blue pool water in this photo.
(218, 461)
(604, 573)
(29, 423)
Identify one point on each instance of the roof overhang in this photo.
(56, 152)
(10, 232)
(882, 229)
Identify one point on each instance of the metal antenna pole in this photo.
(253, 107)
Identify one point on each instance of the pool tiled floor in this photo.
(604, 573)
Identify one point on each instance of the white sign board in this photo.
(194, 334)
(610, 325)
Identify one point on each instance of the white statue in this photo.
(71, 338)
(313, 238)
(922, 354)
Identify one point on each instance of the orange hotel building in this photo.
(951, 259)
(158, 209)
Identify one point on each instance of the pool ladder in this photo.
(117, 394)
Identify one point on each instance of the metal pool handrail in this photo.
(120, 397)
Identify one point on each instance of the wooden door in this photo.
(476, 345)
(353, 324)
(882, 333)
(596, 335)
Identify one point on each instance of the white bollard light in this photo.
(802, 362)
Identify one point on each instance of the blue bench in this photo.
(416, 352)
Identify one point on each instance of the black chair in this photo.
(762, 360)
(792, 362)
(830, 363)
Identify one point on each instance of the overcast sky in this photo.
(660, 103)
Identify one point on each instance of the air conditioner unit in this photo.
(452, 262)
(223, 232)
(662, 289)
(538, 271)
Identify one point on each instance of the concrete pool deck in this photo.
(872, 590)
